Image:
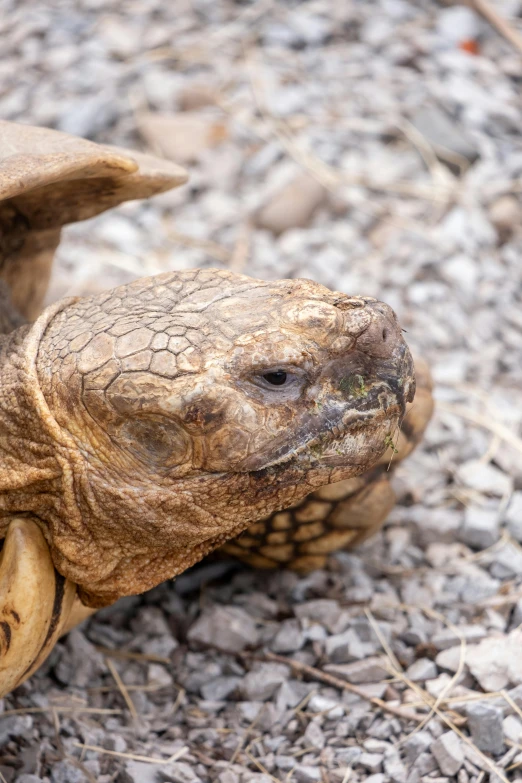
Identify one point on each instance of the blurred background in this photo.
(373, 146)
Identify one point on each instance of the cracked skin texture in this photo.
(141, 428)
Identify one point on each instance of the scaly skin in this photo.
(139, 431)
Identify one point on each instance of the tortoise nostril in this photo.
(384, 334)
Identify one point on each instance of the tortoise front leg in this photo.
(35, 603)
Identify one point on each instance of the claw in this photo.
(35, 603)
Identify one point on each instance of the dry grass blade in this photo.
(42, 710)
(123, 690)
(262, 768)
(484, 421)
(502, 25)
(336, 682)
(380, 636)
(514, 706)
(132, 656)
(449, 723)
(247, 731)
(460, 668)
(347, 775)
(135, 757)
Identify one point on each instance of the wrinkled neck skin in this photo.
(77, 496)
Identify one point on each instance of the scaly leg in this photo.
(35, 603)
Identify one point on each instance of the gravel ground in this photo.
(374, 146)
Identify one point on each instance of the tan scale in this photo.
(141, 429)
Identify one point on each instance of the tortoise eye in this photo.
(276, 378)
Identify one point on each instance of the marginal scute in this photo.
(330, 542)
(312, 511)
(340, 489)
(276, 538)
(282, 520)
(281, 553)
(308, 532)
(307, 563)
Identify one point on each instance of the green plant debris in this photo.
(354, 385)
(388, 442)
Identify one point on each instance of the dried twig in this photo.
(135, 757)
(132, 656)
(336, 682)
(449, 723)
(123, 690)
(43, 710)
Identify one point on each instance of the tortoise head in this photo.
(190, 404)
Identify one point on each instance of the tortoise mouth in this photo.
(338, 428)
(342, 434)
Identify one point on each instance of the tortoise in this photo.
(147, 426)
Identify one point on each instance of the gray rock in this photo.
(228, 777)
(28, 779)
(448, 752)
(512, 728)
(220, 688)
(447, 638)
(89, 115)
(178, 772)
(485, 478)
(506, 215)
(485, 724)
(480, 528)
(458, 23)
(66, 772)
(292, 206)
(225, 627)
(394, 768)
(507, 562)
(448, 659)
(347, 647)
(371, 761)
(435, 525)
(12, 726)
(369, 670)
(424, 764)
(422, 669)
(304, 773)
(514, 516)
(82, 665)
(289, 638)
(261, 683)
(416, 744)
(332, 708)
(322, 610)
(314, 735)
(446, 135)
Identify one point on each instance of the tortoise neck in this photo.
(29, 472)
(10, 317)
